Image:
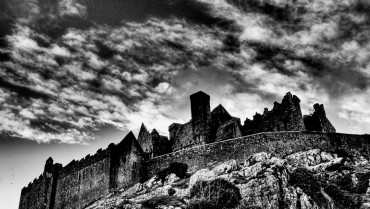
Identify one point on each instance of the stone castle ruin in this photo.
(195, 143)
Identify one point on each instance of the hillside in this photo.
(301, 180)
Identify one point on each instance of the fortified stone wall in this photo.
(41, 192)
(82, 182)
(318, 121)
(286, 116)
(281, 144)
(35, 195)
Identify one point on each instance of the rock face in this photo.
(303, 180)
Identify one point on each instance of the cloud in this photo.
(72, 8)
(122, 75)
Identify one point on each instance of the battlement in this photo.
(76, 165)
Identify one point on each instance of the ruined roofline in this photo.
(260, 133)
(317, 108)
(220, 108)
(144, 129)
(288, 97)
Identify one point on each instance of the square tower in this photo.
(200, 117)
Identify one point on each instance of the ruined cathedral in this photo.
(133, 160)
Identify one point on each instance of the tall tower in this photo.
(293, 114)
(201, 117)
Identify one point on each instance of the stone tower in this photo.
(200, 117)
(293, 117)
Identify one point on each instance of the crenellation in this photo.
(208, 137)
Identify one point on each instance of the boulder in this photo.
(226, 167)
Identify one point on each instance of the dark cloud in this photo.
(113, 12)
(23, 91)
(53, 18)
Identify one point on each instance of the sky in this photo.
(76, 75)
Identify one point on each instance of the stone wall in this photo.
(182, 136)
(40, 193)
(229, 130)
(34, 196)
(161, 144)
(82, 182)
(281, 144)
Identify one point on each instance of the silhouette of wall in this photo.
(318, 121)
(286, 116)
(81, 182)
(41, 192)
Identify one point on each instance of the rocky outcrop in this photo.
(303, 180)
